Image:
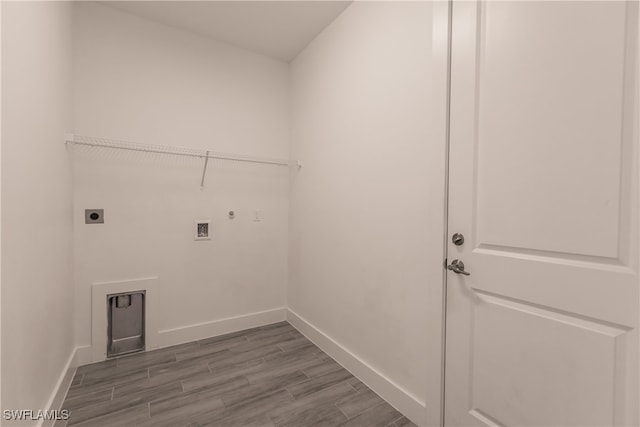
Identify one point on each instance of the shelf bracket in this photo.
(204, 170)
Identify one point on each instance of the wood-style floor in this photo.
(267, 376)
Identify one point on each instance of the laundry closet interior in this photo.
(435, 203)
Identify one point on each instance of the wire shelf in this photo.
(90, 142)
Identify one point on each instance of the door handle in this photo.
(457, 267)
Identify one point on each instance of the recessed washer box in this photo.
(94, 216)
(125, 323)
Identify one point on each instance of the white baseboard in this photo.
(184, 334)
(84, 354)
(399, 398)
(61, 387)
(214, 328)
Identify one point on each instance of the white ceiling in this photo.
(279, 29)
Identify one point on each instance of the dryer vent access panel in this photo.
(125, 323)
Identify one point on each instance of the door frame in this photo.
(441, 78)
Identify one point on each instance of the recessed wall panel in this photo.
(537, 366)
(549, 126)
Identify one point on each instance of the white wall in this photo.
(146, 82)
(37, 279)
(366, 232)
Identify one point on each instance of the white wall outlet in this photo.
(257, 215)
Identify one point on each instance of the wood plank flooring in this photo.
(267, 376)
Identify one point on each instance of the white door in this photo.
(544, 189)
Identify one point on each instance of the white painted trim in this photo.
(398, 397)
(441, 78)
(62, 386)
(184, 334)
(99, 292)
(214, 328)
(84, 355)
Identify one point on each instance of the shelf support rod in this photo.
(204, 170)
